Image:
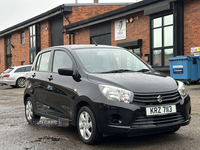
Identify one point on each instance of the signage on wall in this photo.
(195, 51)
(120, 29)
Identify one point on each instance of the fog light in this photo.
(116, 119)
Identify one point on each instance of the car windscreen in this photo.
(105, 60)
(8, 70)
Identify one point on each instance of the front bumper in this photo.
(121, 118)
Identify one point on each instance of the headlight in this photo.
(182, 90)
(116, 94)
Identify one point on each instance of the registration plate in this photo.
(160, 110)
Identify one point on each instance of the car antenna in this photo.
(88, 34)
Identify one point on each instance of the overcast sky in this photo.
(13, 12)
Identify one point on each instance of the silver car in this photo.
(15, 76)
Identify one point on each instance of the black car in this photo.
(104, 90)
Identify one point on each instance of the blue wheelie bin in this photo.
(184, 68)
(198, 64)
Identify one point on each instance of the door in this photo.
(60, 91)
(38, 81)
(56, 32)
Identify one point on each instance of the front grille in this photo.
(153, 121)
(152, 98)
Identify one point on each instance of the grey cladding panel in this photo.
(152, 9)
(102, 39)
(56, 32)
(99, 29)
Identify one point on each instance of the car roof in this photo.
(79, 46)
(19, 66)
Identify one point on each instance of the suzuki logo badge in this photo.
(159, 99)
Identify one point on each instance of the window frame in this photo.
(39, 58)
(8, 55)
(163, 47)
(22, 37)
(23, 70)
(32, 34)
(52, 63)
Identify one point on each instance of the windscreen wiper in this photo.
(143, 70)
(119, 71)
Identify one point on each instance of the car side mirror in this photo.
(65, 71)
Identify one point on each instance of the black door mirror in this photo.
(65, 71)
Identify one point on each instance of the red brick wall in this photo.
(2, 55)
(45, 32)
(191, 25)
(139, 29)
(20, 52)
(84, 12)
(81, 37)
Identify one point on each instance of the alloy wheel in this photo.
(21, 82)
(85, 125)
(29, 110)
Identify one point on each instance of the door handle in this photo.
(50, 78)
(33, 75)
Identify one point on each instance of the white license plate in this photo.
(160, 110)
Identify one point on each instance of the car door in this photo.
(60, 91)
(39, 81)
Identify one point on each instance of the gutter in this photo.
(36, 19)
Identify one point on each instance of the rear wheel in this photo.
(20, 82)
(13, 86)
(87, 127)
(31, 117)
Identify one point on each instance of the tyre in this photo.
(13, 86)
(20, 82)
(187, 82)
(31, 117)
(87, 127)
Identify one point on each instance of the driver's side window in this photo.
(61, 60)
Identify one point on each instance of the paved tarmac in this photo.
(15, 133)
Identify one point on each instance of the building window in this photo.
(162, 33)
(8, 52)
(32, 36)
(34, 44)
(22, 62)
(33, 54)
(22, 37)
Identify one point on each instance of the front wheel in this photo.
(31, 117)
(87, 127)
(187, 82)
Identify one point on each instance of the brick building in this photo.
(156, 30)
(20, 43)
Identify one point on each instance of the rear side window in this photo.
(28, 68)
(8, 70)
(22, 69)
(61, 59)
(43, 62)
